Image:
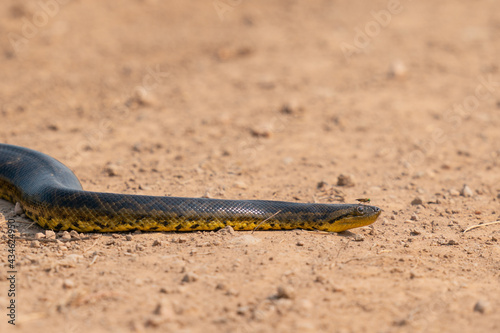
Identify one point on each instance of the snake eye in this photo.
(360, 209)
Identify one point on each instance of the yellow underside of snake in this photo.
(51, 195)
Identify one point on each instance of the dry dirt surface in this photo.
(260, 100)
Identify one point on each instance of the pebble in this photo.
(189, 277)
(414, 217)
(129, 237)
(144, 97)
(39, 235)
(35, 244)
(415, 232)
(157, 243)
(397, 70)
(300, 243)
(221, 286)
(65, 235)
(466, 191)
(232, 292)
(321, 185)
(417, 201)
(261, 132)
(286, 292)
(68, 284)
(454, 192)
(242, 310)
(292, 107)
(18, 209)
(226, 230)
(112, 170)
(49, 234)
(74, 234)
(448, 242)
(359, 238)
(181, 240)
(345, 180)
(482, 306)
(498, 195)
(239, 184)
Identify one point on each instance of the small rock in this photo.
(448, 242)
(291, 108)
(189, 277)
(221, 286)
(129, 238)
(414, 217)
(345, 180)
(320, 279)
(242, 310)
(112, 170)
(18, 209)
(39, 235)
(49, 234)
(417, 201)
(232, 292)
(226, 230)
(65, 235)
(414, 232)
(498, 195)
(261, 132)
(321, 185)
(359, 238)
(144, 187)
(240, 185)
(35, 244)
(144, 97)
(466, 191)
(157, 243)
(285, 292)
(140, 247)
(68, 284)
(454, 193)
(397, 70)
(181, 240)
(482, 306)
(53, 127)
(300, 243)
(74, 234)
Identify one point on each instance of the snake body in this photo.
(52, 195)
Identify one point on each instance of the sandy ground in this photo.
(261, 100)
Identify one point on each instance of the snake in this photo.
(50, 194)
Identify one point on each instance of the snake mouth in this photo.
(367, 217)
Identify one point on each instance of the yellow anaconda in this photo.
(52, 195)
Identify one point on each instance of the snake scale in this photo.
(52, 195)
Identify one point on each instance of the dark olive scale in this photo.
(52, 195)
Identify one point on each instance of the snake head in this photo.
(356, 216)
